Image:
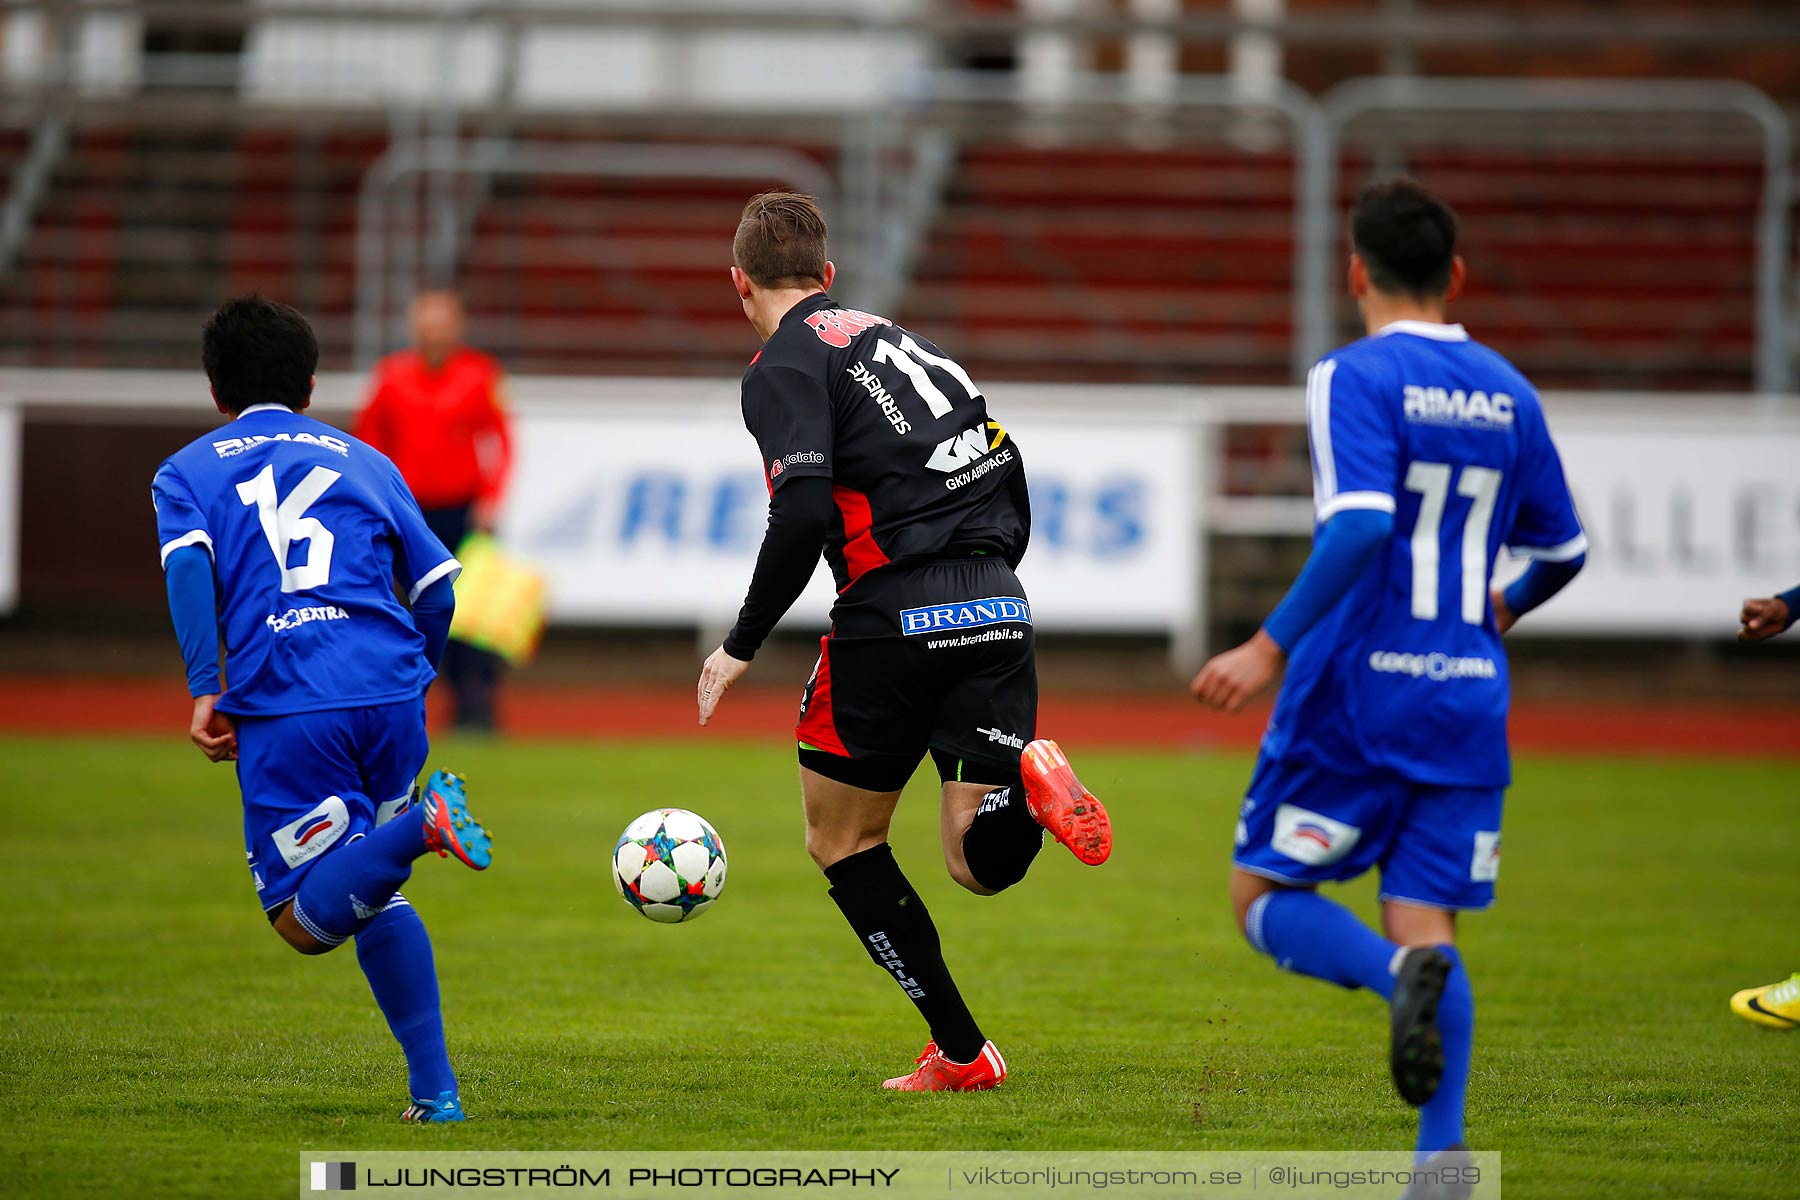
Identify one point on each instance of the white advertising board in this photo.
(655, 517)
(1684, 519)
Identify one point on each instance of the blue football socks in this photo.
(350, 884)
(395, 953)
(1303, 931)
(1441, 1119)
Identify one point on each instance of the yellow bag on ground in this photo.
(499, 601)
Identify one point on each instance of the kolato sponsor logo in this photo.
(799, 458)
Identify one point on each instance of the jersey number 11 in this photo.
(1432, 483)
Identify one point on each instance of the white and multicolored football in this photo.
(669, 865)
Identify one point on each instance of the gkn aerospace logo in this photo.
(961, 457)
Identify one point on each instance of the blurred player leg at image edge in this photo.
(1773, 1005)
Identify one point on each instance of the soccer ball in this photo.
(669, 865)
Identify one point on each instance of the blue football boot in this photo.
(444, 1109)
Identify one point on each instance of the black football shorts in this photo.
(936, 656)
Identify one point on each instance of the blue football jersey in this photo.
(1406, 673)
(308, 530)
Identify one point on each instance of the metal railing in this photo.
(383, 276)
(1318, 132)
(1318, 126)
(1356, 97)
(1378, 27)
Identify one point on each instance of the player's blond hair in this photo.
(780, 240)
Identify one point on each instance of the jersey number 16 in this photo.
(285, 522)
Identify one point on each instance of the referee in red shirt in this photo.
(439, 411)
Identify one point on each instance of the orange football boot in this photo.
(935, 1073)
(1060, 804)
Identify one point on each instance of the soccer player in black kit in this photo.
(880, 454)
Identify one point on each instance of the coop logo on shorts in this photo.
(334, 1177)
(966, 614)
(1485, 867)
(310, 836)
(1435, 666)
(1311, 838)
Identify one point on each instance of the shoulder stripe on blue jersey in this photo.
(449, 567)
(1318, 419)
(193, 537)
(1571, 549)
(1327, 500)
(1343, 501)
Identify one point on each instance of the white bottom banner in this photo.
(964, 1174)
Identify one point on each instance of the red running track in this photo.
(72, 705)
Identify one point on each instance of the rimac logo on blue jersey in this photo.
(966, 614)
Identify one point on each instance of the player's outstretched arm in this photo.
(1763, 618)
(1346, 546)
(1233, 679)
(800, 514)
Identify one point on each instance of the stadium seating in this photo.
(1069, 262)
(1113, 264)
(1609, 271)
(583, 275)
(144, 227)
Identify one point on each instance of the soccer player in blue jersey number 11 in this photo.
(1387, 747)
(288, 537)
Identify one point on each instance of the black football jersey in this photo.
(918, 469)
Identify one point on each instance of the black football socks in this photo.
(1002, 839)
(895, 929)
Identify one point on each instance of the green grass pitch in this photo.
(157, 1039)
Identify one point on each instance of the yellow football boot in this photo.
(1776, 1005)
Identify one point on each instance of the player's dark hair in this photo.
(780, 240)
(257, 351)
(1406, 237)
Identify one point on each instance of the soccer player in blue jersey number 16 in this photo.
(288, 537)
(1387, 747)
